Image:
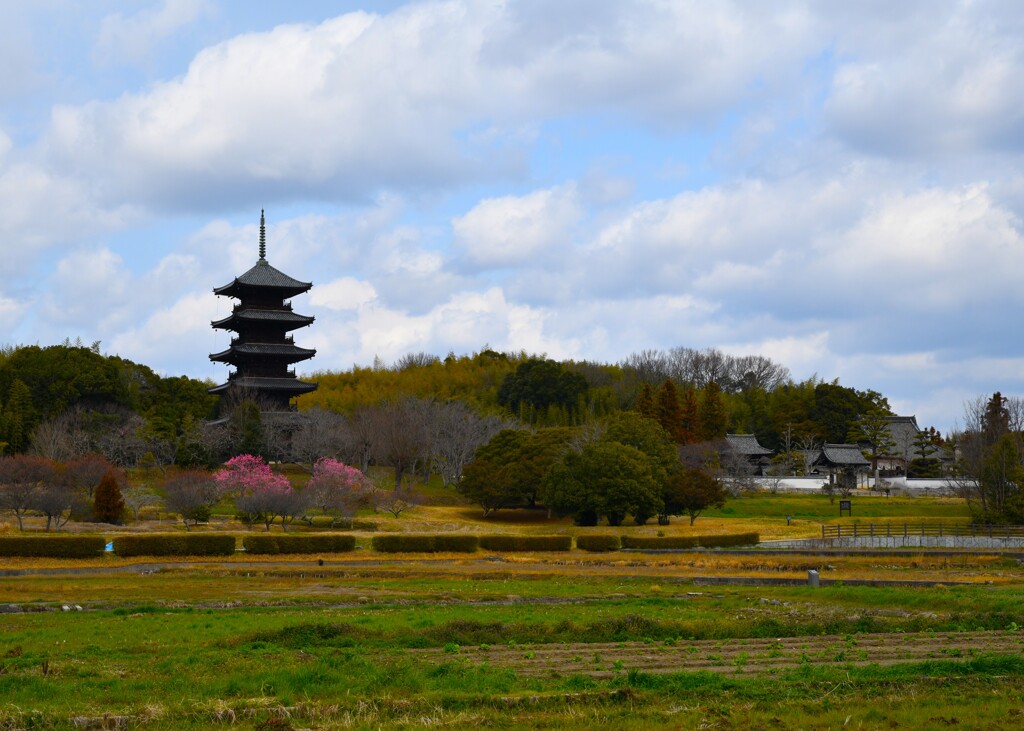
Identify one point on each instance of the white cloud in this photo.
(346, 293)
(363, 102)
(512, 230)
(134, 37)
(174, 339)
(938, 78)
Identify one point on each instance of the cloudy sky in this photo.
(835, 185)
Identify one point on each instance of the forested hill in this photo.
(48, 386)
(756, 395)
(71, 382)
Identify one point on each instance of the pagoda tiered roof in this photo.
(263, 276)
(280, 317)
(289, 385)
(292, 353)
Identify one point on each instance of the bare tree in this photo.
(318, 433)
(191, 494)
(395, 501)
(650, 366)
(137, 497)
(21, 480)
(457, 433)
(808, 445)
(60, 438)
(415, 360)
(55, 500)
(83, 475)
(359, 435)
(400, 436)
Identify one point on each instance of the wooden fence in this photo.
(855, 530)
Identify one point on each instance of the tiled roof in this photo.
(252, 314)
(282, 385)
(264, 275)
(293, 352)
(746, 444)
(847, 455)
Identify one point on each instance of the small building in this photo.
(263, 351)
(844, 463)
(903, 430)
(747, 446)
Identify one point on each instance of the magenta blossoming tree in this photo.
(259, 493)
(337, 489)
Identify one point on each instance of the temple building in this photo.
(262, 350)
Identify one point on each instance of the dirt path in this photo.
(732, 656)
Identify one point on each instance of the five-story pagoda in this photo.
(262, 351)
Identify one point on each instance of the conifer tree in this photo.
(670, 413)
(714, 420)
(689, 427)
(645, 405)
(108, 504)
(17, 416)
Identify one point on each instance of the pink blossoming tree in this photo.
(337, 489)
(259, 493)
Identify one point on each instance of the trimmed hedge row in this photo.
(526, 543)
(307, 543)
(175, 544)
(401, 543)
(734, 539)
(598, 543)
(670, 542)
(660, 541)
(52, 546)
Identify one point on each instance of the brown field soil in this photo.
(754, 656)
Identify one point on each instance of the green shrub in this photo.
(52, 546)
(401, 543)
(526, 543)
(734, 539)
(673, 542)
(305, 543)
(656, 542)
(175, 544)
(598, 543)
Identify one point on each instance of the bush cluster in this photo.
(597, 543)
(175, 544)
(660, 542)
(52, 546)
(734, 539)
(447, 543)
(307, 543)
(670, 542)
(525, 543)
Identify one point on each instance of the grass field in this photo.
(562, 640)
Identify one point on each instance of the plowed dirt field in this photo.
(732, 656)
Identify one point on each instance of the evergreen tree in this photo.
(689, 424)
(108, 504)
(17, 420)
(713, 418)
(669, 410)
(645, 405)
(873, 428)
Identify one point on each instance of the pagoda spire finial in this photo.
(263, 237)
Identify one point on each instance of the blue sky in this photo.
(837, 186)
